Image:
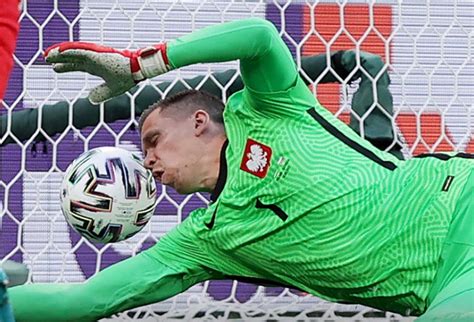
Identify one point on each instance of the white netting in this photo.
(427, 47)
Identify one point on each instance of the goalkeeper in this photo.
(298, 198)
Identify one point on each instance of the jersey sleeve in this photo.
(136, 281)
(174, 264)
(266, 64)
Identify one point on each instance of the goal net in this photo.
(427, 49)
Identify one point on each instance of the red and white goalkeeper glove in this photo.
(120, 69)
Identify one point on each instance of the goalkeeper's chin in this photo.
(181, 188)
(172, 184)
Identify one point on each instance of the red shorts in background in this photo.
(9, 14)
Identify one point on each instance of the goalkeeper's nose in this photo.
(150, 160)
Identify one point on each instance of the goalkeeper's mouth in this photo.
(158, 175)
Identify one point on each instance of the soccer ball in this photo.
(107, 195)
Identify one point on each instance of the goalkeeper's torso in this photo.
(308, 203)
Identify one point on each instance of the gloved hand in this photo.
(120, 69)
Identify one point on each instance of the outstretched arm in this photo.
(254, 41)
(266, 63)
(137, 281)
(170, 267)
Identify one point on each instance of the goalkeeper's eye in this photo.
(150, 140)
(154, 139)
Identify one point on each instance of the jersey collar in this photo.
(222, 178)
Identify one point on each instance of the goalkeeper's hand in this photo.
(120, 69)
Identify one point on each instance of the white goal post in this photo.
(427, 47)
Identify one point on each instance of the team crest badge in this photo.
(256, 158)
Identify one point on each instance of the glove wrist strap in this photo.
(152, 61)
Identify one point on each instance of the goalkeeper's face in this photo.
(174, 147)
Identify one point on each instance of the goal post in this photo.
(426, 48)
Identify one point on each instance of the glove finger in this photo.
(75, 51)
(101, 93)
(68, 67)
(67, 56)
(69, 45)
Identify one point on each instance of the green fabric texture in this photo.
(259, 66)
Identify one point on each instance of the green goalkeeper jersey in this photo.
(301, 199)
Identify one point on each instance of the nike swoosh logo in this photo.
(211, 223)
(277, 210)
